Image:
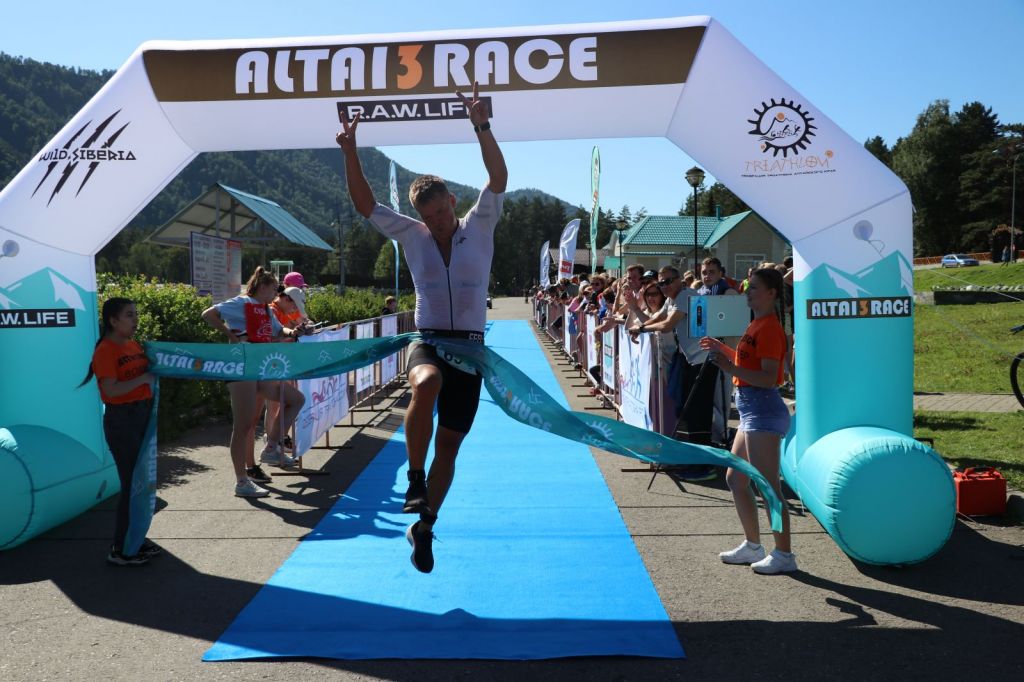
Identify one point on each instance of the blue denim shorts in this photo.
(762, 409)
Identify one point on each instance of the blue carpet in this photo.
(533, 560)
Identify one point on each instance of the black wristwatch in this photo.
(642, 325)
(482, 127)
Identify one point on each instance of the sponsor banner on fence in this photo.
(389, 365)
(608, 358)
(593, 360)
(326, 399)
(364, 375)
(635, 379)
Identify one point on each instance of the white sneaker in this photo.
(275, 457)
(776, 562)
(248, 488)
(746, 553)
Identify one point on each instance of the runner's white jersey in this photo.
(452, 297)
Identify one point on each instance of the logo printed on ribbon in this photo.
(275, 366)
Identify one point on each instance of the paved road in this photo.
(65, 615)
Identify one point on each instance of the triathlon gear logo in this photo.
(274, 366)
(85, 152)
(782, 127)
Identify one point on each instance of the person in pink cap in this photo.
(294, 279)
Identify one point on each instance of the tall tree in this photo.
(924, 162)
(876, 145)
(716, 197)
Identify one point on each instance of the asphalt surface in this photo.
(66, 615)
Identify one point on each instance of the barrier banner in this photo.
(635, 379)
(567, 249)
(593, 359)
(326, 399)
(364, 375)
(608, 358)
(389, 365)
(517, 395)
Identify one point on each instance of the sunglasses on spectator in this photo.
(665, 282)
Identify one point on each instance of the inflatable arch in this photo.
(883, 497)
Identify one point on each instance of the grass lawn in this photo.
(950, 357)
(967, 439)
(925, 280)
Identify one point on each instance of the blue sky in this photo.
(872, 66)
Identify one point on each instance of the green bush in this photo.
(172, 312)
(323, 304)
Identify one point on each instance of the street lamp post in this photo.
(1013, 203)
(620, 227)
(1013, 209)
(695, 176)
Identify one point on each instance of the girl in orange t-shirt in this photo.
(756, 365)
(125, 384)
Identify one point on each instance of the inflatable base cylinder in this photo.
(883, 497)
(47, 478)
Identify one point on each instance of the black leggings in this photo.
(695, 423)
(124, 425)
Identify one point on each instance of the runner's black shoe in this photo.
(150, 549)
(416, 495)
(422, 547)
(119, 559)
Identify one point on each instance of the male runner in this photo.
(450, 263)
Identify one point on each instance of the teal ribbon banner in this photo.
(519, 397)
(142, 500)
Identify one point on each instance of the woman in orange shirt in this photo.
(120, 366)
(756, 366)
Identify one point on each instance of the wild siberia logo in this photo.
(782, 127)
(94, 150)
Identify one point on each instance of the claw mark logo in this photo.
(274, 366)
(85, 152)
(325, 357)
(782, 127)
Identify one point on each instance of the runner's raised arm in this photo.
(494, 161)
(358, 187)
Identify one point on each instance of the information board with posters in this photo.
(326, 399)
(364, 375)
(216, 265)
(389, 365)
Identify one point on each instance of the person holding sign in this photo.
(756, 366)
(450, 262)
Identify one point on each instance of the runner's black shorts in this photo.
(460, 392)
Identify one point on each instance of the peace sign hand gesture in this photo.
(346, 139)
(476, 108)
